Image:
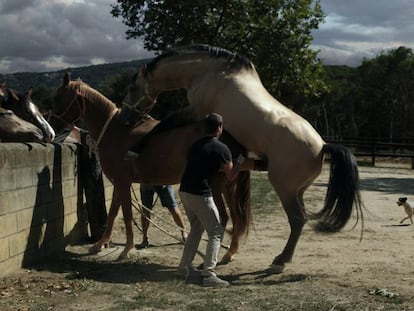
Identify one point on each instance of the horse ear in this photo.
(29, 92)
(10, 93)
(66, 79)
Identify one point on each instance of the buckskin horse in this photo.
(227, 83)
(161, 162)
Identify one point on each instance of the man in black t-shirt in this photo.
(204, 159)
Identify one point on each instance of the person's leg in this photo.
(196, 231)
(147, 197)
(210, 220)
(167, 197)
(179, 221)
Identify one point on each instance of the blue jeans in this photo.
(166, 194)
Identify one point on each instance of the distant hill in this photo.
(94, 75)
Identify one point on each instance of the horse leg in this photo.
(235, 234)
(113, 212)
(219, 188)
(222, 188)
(294, 208)
(125, 198)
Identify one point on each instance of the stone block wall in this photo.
(40, 203)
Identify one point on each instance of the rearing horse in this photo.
(220, 81)
(161, 162)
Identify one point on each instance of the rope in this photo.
(140, 208)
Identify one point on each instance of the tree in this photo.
(387, 84)
(274, 34)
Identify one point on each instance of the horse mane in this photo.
(90, 93)
(235, 60)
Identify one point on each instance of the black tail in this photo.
(343, 191)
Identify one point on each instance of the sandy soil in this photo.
(328, 272)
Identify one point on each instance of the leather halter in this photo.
(140, 111)
(81, 107)
(135, 106)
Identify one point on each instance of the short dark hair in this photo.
(212, 122)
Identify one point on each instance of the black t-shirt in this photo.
(204, 159)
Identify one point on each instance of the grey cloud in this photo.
(362, 29)
(45, 35)
(13, 6)
(43, 32)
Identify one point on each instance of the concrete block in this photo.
(23, 177)
(30, 196)
(5, 199)
(18, 243)
(25, 219)
(7, 179)
(4, 249)
(10, 265)
(8, 225)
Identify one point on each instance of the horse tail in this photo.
(240, 212)
(343, 191)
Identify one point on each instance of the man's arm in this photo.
(231, 170)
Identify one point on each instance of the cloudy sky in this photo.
(48, 35)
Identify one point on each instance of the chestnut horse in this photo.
(161, 162)
(221, 81)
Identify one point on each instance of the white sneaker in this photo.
(214, 281)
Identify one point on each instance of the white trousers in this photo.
(203, 215)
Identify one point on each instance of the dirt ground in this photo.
(328, 272)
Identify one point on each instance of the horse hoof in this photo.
(95, 249)
(275, 269)
(123, 255)
(226, 259)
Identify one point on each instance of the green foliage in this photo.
(115, 86)
(274, 34)
(374, 100)
(387, 87)
(43, 84)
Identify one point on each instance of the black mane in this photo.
(235, 60)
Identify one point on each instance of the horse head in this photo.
(68, 105)
(15, 129)
(22, 105)
(139, 99)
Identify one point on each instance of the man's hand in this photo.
(240, 159)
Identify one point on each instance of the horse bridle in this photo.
(139, 111)
(81, 107)
(146, 96)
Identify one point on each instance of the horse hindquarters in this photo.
(342, 194)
